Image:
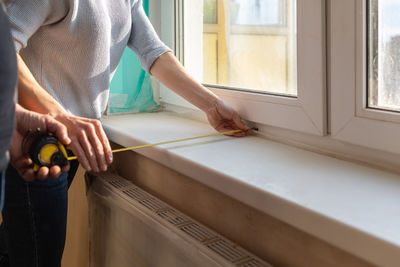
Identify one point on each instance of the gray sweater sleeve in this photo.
(144, 40)
(8, 81)
(36, 13)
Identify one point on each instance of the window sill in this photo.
(352, 207)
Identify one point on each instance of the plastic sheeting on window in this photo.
(131, 89)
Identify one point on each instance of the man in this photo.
(70, 50)
(10, 139)
(26, 120)
(8, 80)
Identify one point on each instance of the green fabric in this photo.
(130, 88)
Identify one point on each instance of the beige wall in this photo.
(76, 253)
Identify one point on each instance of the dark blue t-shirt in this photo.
(8, 80)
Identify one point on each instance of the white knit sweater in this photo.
(73, 47)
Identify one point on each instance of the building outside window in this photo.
(250, 44)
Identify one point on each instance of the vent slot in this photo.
(173, 217)
(119, 183)
(136, 193)
(152, 204)
(198, 232)
(227, 250)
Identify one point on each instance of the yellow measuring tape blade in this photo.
(169, 142)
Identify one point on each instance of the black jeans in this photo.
(34, 220)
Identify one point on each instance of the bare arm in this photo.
(32, 96)
(170, 72)
(88, 140)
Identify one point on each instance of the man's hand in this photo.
(223, 118)
(27, 121)
(88, 142)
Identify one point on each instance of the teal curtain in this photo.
(130, 89)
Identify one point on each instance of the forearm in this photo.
(24, 120)
(88, 140)
(32, 96)
(170, 72)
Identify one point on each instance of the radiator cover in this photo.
(130, 227)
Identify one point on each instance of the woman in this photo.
(70, 50)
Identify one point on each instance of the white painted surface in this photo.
(351, 120)
(353, 207)
(307, 112)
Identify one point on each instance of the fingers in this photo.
(92, 149)
(25, 170)
(65, 168)
(21, 163)
(238, 122)
(96, 139)
(42, 173)
(27, 174)
(88, 142)
(54, 172)
(23, 167)
(95, 148)
(104, 140)
(89, 151)
(80, 153)
(58, 129)
(223, 118)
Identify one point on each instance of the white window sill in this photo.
(353, 207)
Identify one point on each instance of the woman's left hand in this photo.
(224, 118)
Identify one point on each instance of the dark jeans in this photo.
(34, 220)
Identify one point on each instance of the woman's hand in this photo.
(221, 116)
(88, 142)
(224, 118)
(28, 121)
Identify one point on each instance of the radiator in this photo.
(130, 227)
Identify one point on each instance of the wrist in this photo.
(59, 114)
(20, 114)
(212, 105)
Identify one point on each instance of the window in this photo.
(332, 69)
(384, 54)
(254, 54)
(250, 44)
(364, 93)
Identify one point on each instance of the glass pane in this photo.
(384, 54)
(210, 12)
(256, 50)
(255, 12)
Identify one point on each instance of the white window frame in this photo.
(306, 113)
(351, 120)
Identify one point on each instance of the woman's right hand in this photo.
(88, 142)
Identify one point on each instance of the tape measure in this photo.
(46, 150)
